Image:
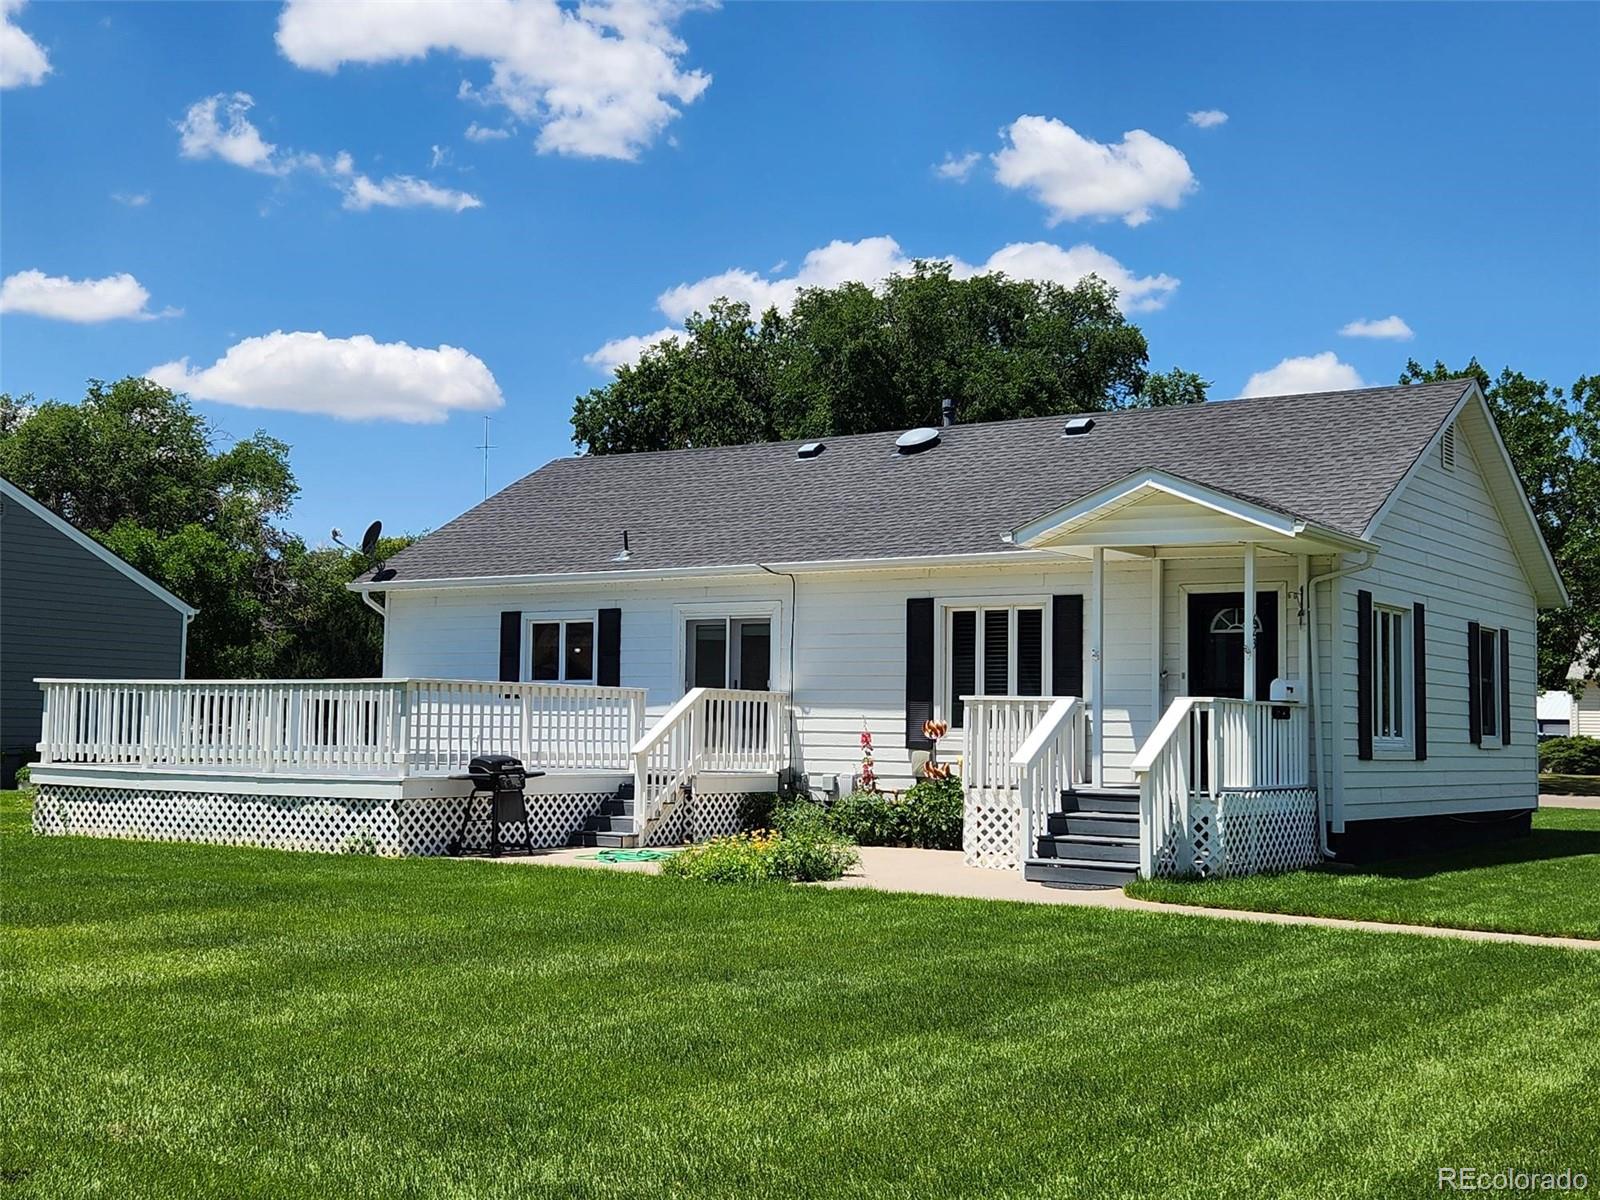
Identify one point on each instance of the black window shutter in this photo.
(1505, 687)
(1066, 645)
(1364, 674)
(919, 670)
(608, 658)
(1419, 680)
(511, 646)
(1474, 711)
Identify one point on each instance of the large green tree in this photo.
(1553, 435)
(134, 466)
(855, 359)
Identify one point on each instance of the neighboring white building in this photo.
(1197, 638)
(1555, 714)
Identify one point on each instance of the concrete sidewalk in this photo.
(1547, 800)
(943, 873)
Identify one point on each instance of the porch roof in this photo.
(1150, 510)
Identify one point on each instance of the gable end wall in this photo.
(1444, 544)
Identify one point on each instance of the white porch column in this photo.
(1097, 677)
(1155, 640)
(1249, 620)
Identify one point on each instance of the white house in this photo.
(1225, 637)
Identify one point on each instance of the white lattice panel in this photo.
(1245, 833)
(991, 828)
(324, 824)
(699, 818)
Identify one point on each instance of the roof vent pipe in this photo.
(947, 412)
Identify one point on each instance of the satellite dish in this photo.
(369, 539)
(913, 441)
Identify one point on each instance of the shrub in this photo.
(802, 855)
(928, 815)
(24, 777)
(756, 809)
(1570, 756)
(931, 814)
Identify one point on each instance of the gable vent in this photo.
(1447, 449)
(810, 450)
(1077, 426)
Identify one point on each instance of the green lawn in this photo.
(1548, 882)
(193, 1021)
(1570, 785)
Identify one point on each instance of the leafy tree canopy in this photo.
(854, 359)
(1552, 436)
(135, 467)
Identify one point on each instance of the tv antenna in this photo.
(486, 447)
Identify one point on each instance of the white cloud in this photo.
(354, 379)
(957, 169)
(1311, 373)
(83, 301)
(404, 191)
(1075, 177)
(600, 80)
(871, 261)
(627, 349)
(1208, 118)
(1392, 328)
(132, 199)
(482, 133)
(440, 155)
(217, 127)
(23, 62)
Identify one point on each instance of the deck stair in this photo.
(611, 827)
(1092, 842)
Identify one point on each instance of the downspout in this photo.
(1368, 556)
(183, 647)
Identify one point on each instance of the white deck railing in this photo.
(708, 729)
(1204, 747)
(1024, 750)
(343, 726)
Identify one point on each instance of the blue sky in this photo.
(1434, 163)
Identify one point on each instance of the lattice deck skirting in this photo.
(1246, 833)
(991, 828)
(324, 824)
(699, 818)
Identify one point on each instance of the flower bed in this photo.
(807, 852)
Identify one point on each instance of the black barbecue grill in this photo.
(499, 779)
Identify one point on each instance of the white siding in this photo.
(1443, 543)
(1586, 712)
(849, 631)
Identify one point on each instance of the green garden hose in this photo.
(627, 856)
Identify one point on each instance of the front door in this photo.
(1216, 644)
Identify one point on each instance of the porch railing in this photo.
(708, 729)
(1202, 749)
(344, 726)
(1024, 751)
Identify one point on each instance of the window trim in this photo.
(943, 698)
(1401, 676)
(562, 618)
(1489, 667)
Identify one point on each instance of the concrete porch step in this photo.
(1077, 873)
(1095, 823)
(1100, 849)
(1117, 800)
(603, 840)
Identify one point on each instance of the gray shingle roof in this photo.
(1331, 458)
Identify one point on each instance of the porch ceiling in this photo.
(1153, 513)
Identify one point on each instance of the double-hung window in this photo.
(1391, 677)
(1488, 683)
(562, 651)
(992, 651)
